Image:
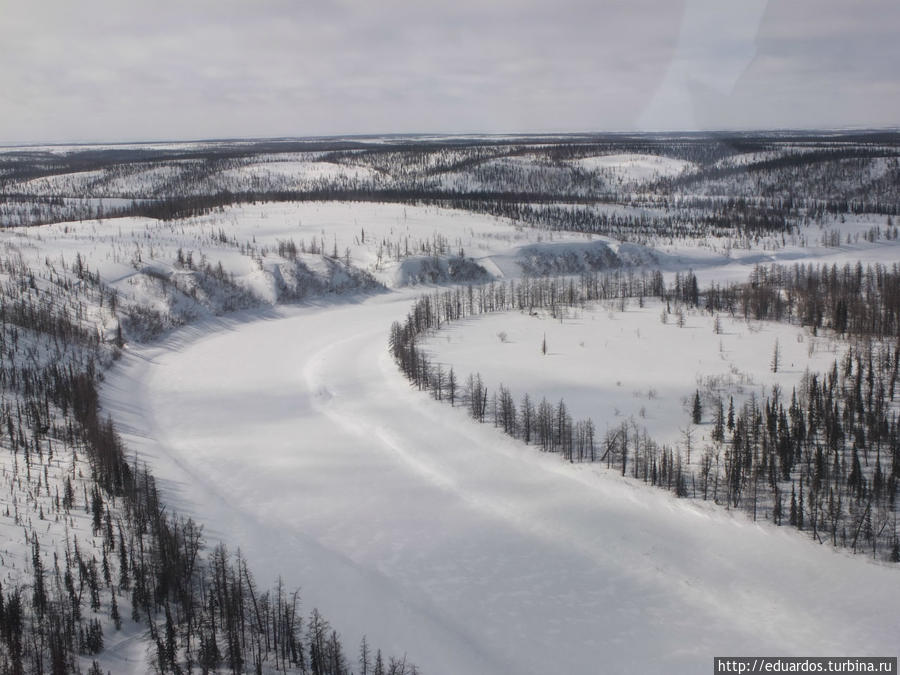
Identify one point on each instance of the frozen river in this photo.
(292, 435)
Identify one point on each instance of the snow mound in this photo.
(437, 270)
(311, 275)
(577, 257)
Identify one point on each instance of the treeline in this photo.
(548, 425)
(789, 160)
(22, 209)
(850, 300)
(825, 460)
(102, 546)
(730, 219)
(29, 164)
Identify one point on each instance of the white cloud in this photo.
(98, 69)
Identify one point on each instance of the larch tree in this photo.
(697, 409)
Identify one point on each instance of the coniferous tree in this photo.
(718, 432)
(731, 414)
(365, 657)
(451, 386)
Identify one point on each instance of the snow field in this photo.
(295, 173)
(634, 168)
(614, 366)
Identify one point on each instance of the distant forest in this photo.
(796, 176)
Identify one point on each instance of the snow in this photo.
(635, 168)
(370, 232)
(62, 183)
(294, 437)
(30, 511)
(295, 172)
(26, 513)
(289, 432)
(592, 354)
(373, 234)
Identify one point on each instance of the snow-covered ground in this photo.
(289, 432)
(294, 437)
(390, 241)
(634, 168)
(295, 173)
(612, 366)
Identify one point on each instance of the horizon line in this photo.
(847, 129)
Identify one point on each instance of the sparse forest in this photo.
(787, 179)
(824, 458)
(104, 549)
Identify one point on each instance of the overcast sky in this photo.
(104, 70)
